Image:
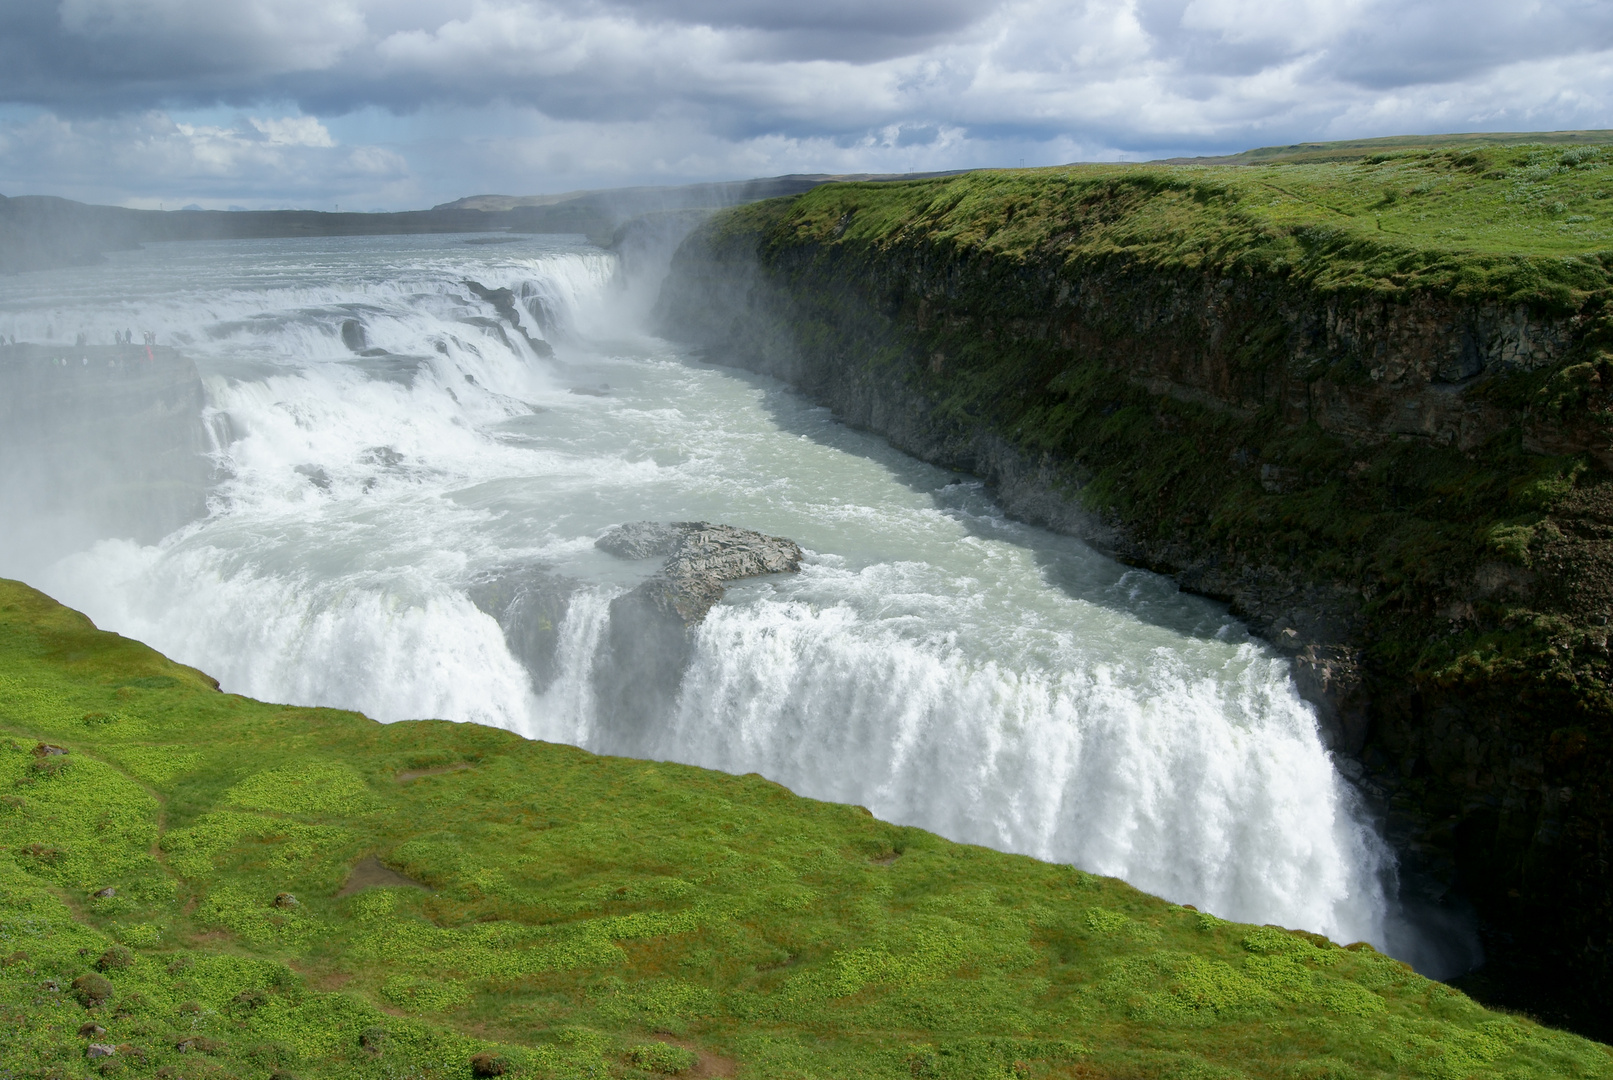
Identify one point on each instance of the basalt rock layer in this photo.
(1389, 457)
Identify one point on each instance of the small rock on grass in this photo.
(92, 990)
(487, 1064)
(115, 958)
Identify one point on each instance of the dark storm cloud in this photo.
(1378, 44)
(116, 55)
(854, 30)
(1445, 40)
(630, 58)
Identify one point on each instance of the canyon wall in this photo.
(1406, 494)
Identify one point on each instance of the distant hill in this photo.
(682, 197)
(600, 213)
(1355, 149)
(41, 231)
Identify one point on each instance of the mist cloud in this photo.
(550, 94)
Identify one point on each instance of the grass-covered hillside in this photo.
(210, 886)
(1518, 223)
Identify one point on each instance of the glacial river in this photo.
(932, 661)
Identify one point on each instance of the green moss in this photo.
(424, 995)
(319, 787)
(1522, 224)
(594, 916)
(659, 1057)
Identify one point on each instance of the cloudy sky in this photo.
(390, 104)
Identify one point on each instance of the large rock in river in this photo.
(651, 631)
(701, 559)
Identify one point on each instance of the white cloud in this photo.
(292, 131)
(144, 158)
(1295, 26)
(549, 94)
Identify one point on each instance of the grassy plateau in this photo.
(210, 886)
(1525, 223)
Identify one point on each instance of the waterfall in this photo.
(403, 520)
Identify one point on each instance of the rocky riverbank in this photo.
(1389, 457)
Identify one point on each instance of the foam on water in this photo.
(934, 662)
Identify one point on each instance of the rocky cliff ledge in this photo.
(1389, 455)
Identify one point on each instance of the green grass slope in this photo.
(1523, 224)
(574, 915)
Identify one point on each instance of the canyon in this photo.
(1396, 475)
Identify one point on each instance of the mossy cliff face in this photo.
(1295, 389)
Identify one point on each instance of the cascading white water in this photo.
(939, 664)
(1189, 784)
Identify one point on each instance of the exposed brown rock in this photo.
(116, 958)
(487, 1063)
(92, 990)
